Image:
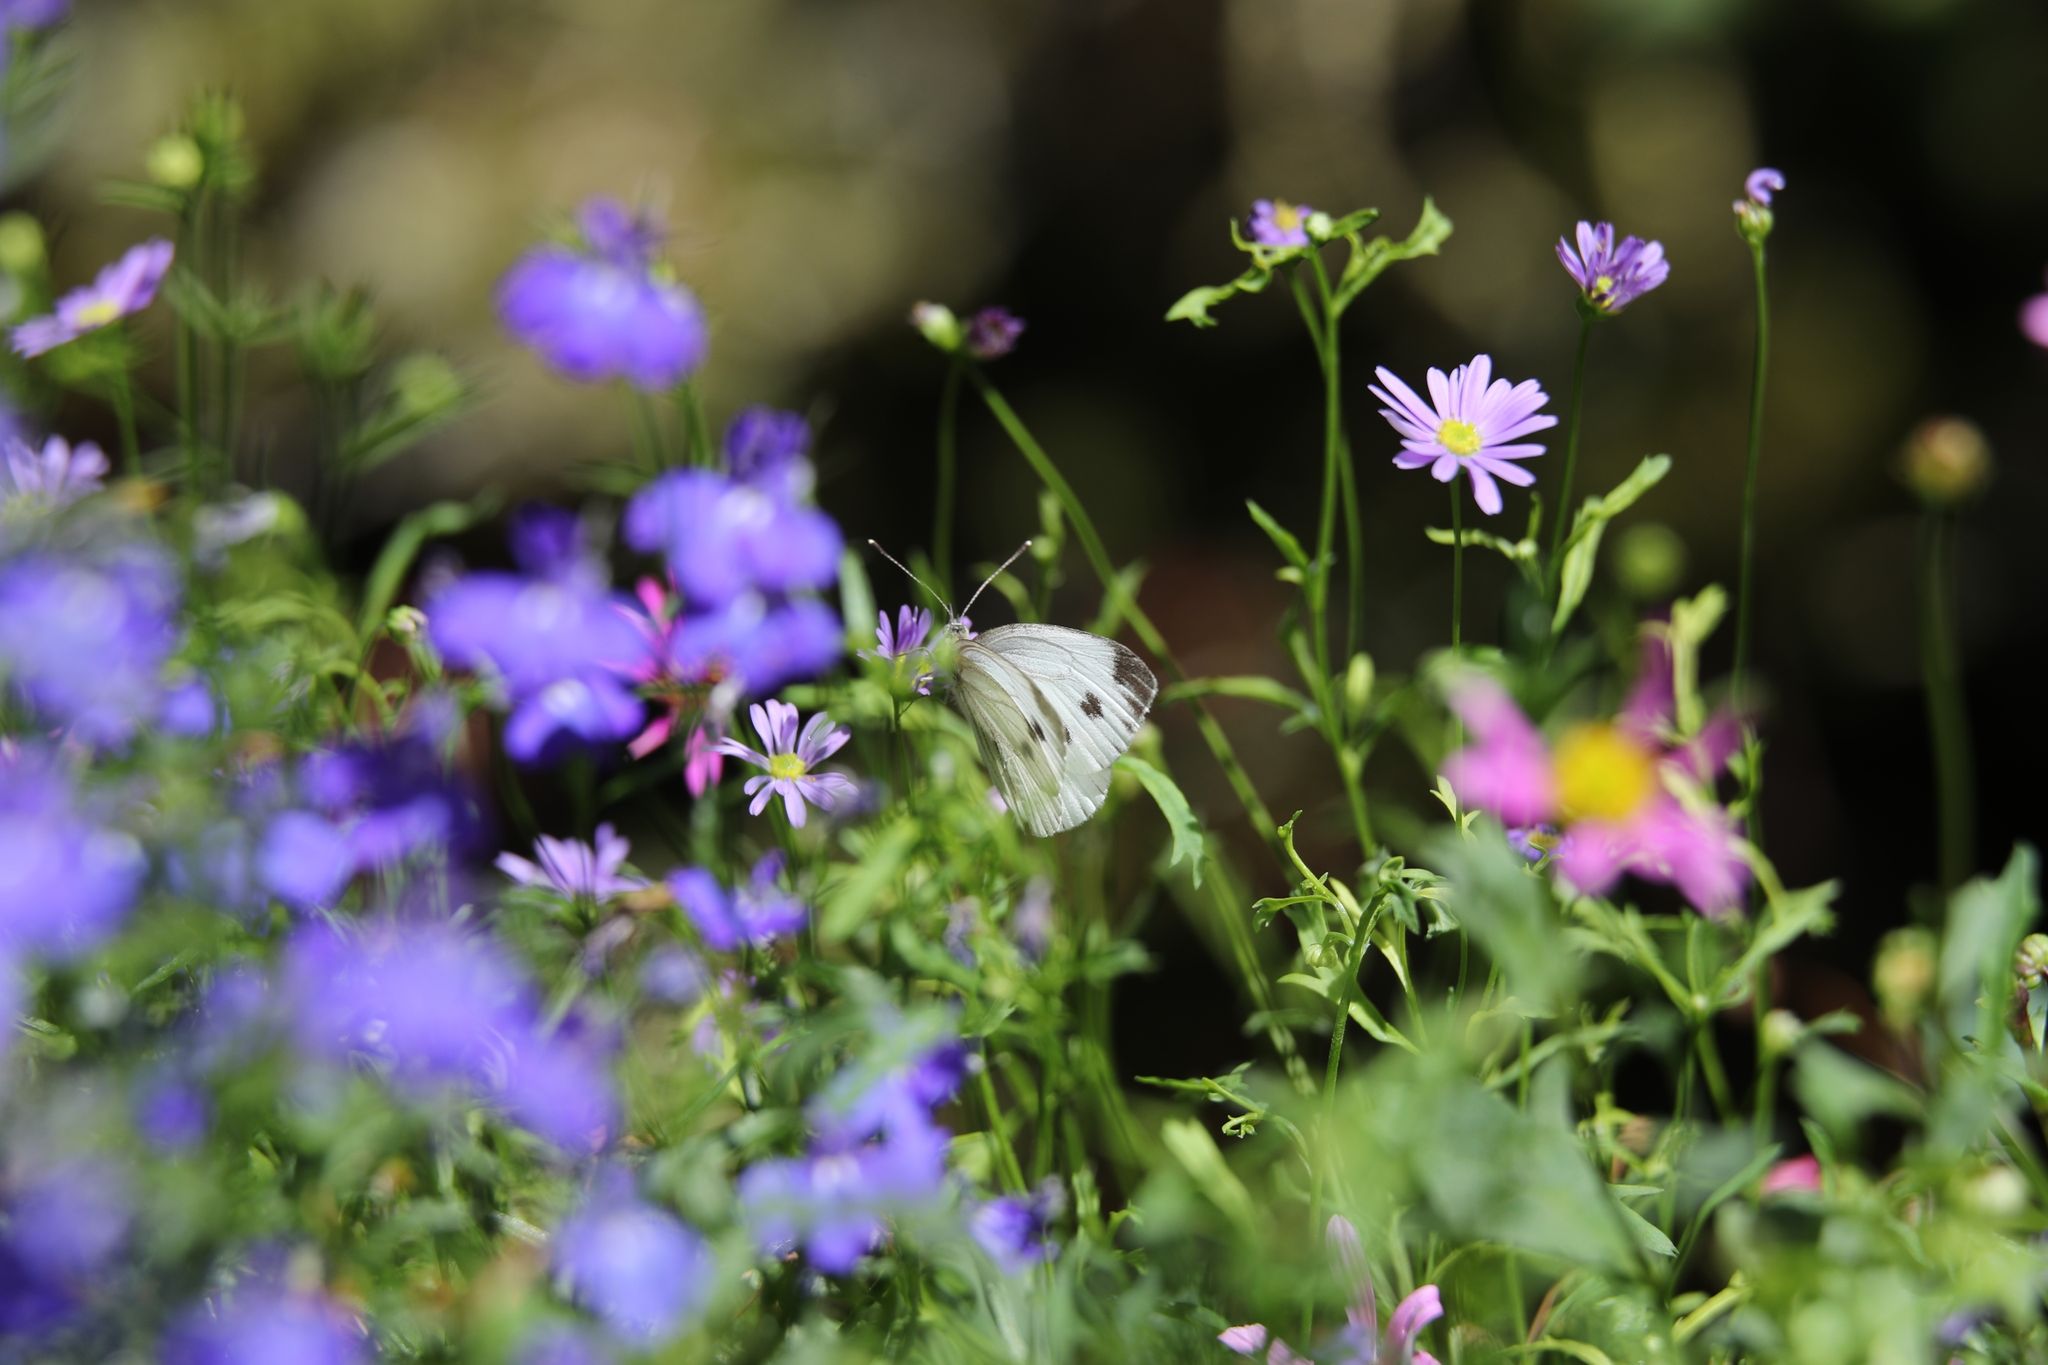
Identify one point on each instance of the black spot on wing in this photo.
(1037, 730)
(1136, 680)
(1091, 706)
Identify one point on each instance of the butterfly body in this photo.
(1052, 710)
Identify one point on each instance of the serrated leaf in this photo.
(1369, 259)
(1188, 835)
(1194, 306)
(1582, 546)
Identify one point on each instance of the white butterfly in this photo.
(1052, 710)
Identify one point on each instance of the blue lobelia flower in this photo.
(755, 914)
(67, 879)
(723, 537)
(642, 1270)
(262, 1324)
(84, 636)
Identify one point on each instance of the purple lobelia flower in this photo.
(263, 1323)
(603, 310)
(992, 333)
(790, 761)
(1360, 1343)
(755, 914)
(84, 636)
(1277, 223)
(573, 869)
(1610, 276)
(123, 288)
(305, 860)
(1472, 423)
(61, 1226)
(723, 537)
(54, 476)
(770, 449)
(32, 14)
(639, 1268)
(2034, 319)
(67, 880)
(1016, 1230)
(834, 1202)
(172, 1111)
(756, 643)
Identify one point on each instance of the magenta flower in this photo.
(2034, 319)
(791, 759)
(578, 871)
(1796, 1175)
(125, 287)
(1360, 1343)
(1611, 277)
(55, 476)
(1472, 423)
(1275, 222)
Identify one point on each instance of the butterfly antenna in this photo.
(1015, 555)
(877, 548)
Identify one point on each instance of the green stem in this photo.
(124, 415)
(1562, 513)
(696, 429)
(1749, 478)
(648, 446)
(942, 511)
(1947, 720)
(1457, 568)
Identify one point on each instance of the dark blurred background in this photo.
(827, 162)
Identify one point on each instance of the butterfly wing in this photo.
(1024, 758)
(1081, 698)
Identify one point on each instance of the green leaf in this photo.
(1582, 546)
(1840, 1092)
(1194, 305)
(394, 561)
(1369, 259)
(1986, 920)
(1188, 835)
(1196, 1151)
(1282, 538)
(847, 904)
(1507, 910)
(1649, 1237)
(1352, 222)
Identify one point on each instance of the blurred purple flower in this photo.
(791, 759)
(1761, 184)
(1801, 1174)
(84, 638)
(672, 975)
(1031, 919)
(548, 543)
(2034, 319)
(604, 312)
(834, 1201)
(54, 476)
(769, 449)
(123, 288)
(1016, 1230)
(60, 1227)
(992, 333)
(264, 1324)
(32, 14)
(573, 869)
(67, 881)
(305, 860)
(1505, 768)
(1275, 222)
(723, 538)
(1471, 425)
(757, 644)
(172, 1111)
(1611, 277)
(1360, 1343)
(187, 710)
(561, 1343)
(755, 914)
(639, 1268)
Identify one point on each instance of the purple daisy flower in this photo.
(1472, 424)
(55, 476)
(123, 288)
(574, 869)
(639, 1268)
(1611, 277)
(603, 312)
(755, 914)
(791, 760)
(894, 644)
(1275, 222)
(992, 333)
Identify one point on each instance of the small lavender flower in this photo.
(260, 1324)
(1016, 1230)
(992, 333)
(1753, 210)
(755, 914)
(573, 869)
(1761, 184)
(770, 449)
(84, 637)
(123, 288)
(723, 537)
(305, 860)
(55, 476)
(894, 644)
(172, 1111)
(639, 1268)
(1277, 223)
(790, 761)
(1471, 425)
(834, 1202)
(1611, 277)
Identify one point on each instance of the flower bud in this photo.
(21, 243)
(1358, 680)
(1649, 560)
(937, 324)
(1902, 977)
(1320, 225)
(406, 623)
(176, 162)
(1782, 1031)
(426, 384)
(1946, 461)
(2030, 963)
(1996, 1192)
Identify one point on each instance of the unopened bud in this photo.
(406, 623)
(21, 243)
(1358, 680)
(1649, 560)
(1946, 461)
(2030, 963)
(176, 162)
(937, 324)
(1319, 226)
(1782, 1032)
(1998, 1192)
(1902, 977)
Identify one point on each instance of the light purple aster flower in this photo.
(2034, 319)
(55, 476)
(262, 1324)
(1016, 1230)
(32, 14)
(1275, 222)
(992, 333)
(1360, 1343)
(723, 537)
(791, 759)
(894, 644)
(639, 1268)
(84, 637)
(603, 312)
(574, 869)
(1472, 424)
(1753, 210)
(755, 914)
(1762, 183)
(1610, 276)
(123, 288)
(67, 881)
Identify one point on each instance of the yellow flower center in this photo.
(98, 313)
(1285, 215)
(785, 766)
(1601, 774)
(1460, 438)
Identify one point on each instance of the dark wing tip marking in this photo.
(1136, 680)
